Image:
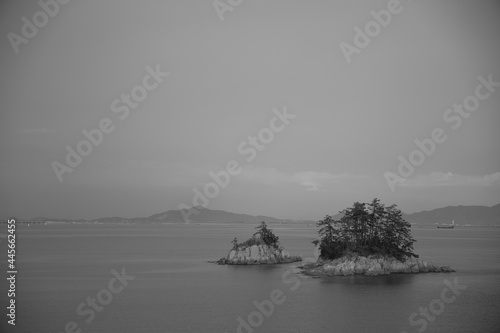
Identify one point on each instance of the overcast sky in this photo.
(352, 119)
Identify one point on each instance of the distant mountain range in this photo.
(470, 215)
(204, 215)
(473, 215)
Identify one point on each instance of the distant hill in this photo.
(473, 215)
(210, 216)
(175, 216)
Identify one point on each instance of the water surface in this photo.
(176, 290)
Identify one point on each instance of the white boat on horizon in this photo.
(447, 226)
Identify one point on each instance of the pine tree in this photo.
(365, 229)
(266, 234)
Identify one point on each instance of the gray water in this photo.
(174, 289)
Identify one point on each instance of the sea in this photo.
(106, 278)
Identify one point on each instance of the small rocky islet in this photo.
(258, 255)
(263, 248)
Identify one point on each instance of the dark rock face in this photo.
(372, 265)
(258, 254)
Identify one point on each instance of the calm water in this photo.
(175, 290)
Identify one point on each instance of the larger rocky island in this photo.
(368, 239)
(352, 264)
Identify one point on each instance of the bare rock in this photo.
(371, 266)
(258, 254)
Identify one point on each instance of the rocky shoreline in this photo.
(371, 266)
(257, 255)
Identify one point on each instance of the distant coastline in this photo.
(464, 216)
(312, 223)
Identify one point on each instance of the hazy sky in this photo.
(225, 78)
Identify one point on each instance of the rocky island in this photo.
(369, 239)
(371, 265)
(262, 248)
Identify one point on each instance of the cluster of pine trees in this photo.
(263, 236)
(366, 229)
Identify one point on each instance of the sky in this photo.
(297, 112)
